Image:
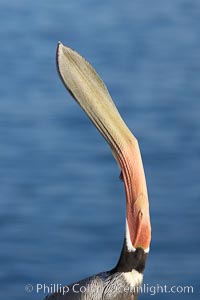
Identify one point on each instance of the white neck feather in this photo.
(128, 241)
(133, 278)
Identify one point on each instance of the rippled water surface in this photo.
(61, 202)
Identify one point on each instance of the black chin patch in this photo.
(131, 260)
(121, 177)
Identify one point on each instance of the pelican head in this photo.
(87, 88)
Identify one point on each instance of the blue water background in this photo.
(62, 206)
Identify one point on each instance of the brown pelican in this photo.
(124, 280)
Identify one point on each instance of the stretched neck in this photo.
(131, 260)
(138, 227)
